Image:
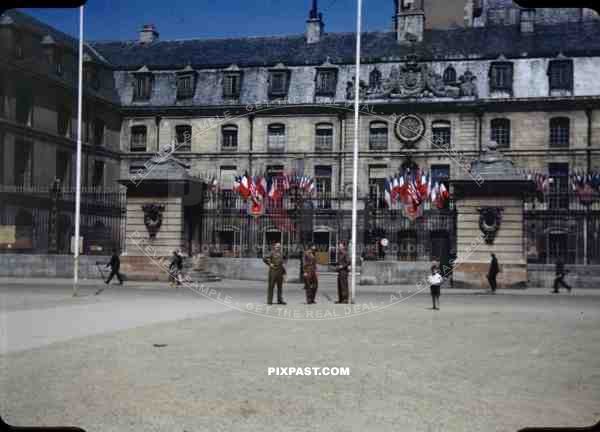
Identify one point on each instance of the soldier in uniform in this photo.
(311, 281)
(343, 267)
(276, 273)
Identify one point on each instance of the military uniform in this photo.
(311, 282)
(276, 273)
(343, 266)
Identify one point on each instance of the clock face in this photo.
(409, 129)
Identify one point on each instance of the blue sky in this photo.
(181, 19)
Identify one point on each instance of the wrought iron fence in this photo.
(562, 226)
(40, 219)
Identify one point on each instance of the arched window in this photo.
(324, 137)
(183, 135)
(276, 137)
(229, 137)
(441, 134)
(374, 78)
(449, 75)
(560, 128)
(500, 131)
(138, 139)
(378, 135)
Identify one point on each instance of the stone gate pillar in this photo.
(489, 203)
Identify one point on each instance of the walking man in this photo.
(343, 267)
(435, 283)
(493, 273)
(276, 273)
(311, 281)
(175, 269)
(115, 265)
(560, 275)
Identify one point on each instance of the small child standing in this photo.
(435, 282)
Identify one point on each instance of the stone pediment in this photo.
(414, 80)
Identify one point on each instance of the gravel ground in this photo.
(482, 363)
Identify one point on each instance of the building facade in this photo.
(430, 98)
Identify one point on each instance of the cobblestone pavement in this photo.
(481, 363)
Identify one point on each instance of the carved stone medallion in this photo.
(490, 219)
(409, 129)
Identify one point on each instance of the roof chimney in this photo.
(527, 20)
(409, 20)
(148, 34)
(314, 24)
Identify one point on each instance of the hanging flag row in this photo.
(259, 187)
(411, 189)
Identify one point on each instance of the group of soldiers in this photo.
(276, 262)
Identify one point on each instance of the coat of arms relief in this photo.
(413, 80)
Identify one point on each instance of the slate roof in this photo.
(572, 39)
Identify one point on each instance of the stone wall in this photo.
(394, 272)
(249, 269)
(49, 266)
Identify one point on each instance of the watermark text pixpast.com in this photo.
(314, 371)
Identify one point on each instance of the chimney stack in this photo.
(314, 24)
(148, 34)
(409, 20)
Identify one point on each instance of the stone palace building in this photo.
(431, 99)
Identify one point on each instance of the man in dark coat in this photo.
(311, 281)
(493, 273)
(560, 275)
(175, 268)
(275, 261)
(115, 265)
(343, 267)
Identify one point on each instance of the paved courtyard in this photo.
(482, 363)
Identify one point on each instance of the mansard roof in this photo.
(570, 39)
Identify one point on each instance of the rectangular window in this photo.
(440, 174)
(185, 86)
(274, 171)
(98, 178)
(58, 59)
(2, 96)
(559, 188)
(441, 134)
(500, 132)
(560, 132)
(23, 163)
(19, 50)
(323, 176)
(92, 76)
(326, 82)
(99, 132)
(63, 125)
(377, 176)
(63, 170)
(501, 76)
(278, 83)
(229, 138)
(378, 136)
(560, 75)
(24, 106)
(183, 135)
(138, 139)
(276, 137)
(232, 84)
(143, 87)
(324, 137)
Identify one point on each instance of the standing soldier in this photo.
(276, 273)
(343, 266)
(311, 281)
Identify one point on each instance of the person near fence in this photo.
(343, 267)
(115, 266)
(175, 269)
(435, 282)
(311, 280)
(493, 273)
(560, 277)
(277, 272)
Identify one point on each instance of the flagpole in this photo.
(78, 162)
(355, 158)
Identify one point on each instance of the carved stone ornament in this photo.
(409, 129)
(153, 218)
(490, 219)
(414, 80)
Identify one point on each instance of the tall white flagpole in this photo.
(78, 162)
(355, 161)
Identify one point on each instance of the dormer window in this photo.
(143, 81)
(278, 82)
(186, 83)
(501, 76)
(560, 74)
(326, 82)
(58, 61)
(18, 49)
(232, 84)
(91, 74)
